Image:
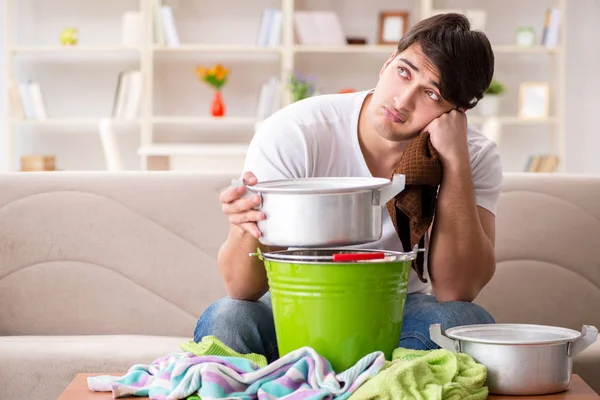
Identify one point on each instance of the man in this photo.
(440, 69)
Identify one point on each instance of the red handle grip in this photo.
(358, 256)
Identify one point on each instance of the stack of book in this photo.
(542, 163)
(164, 29)
(551, 32)
(269, 31)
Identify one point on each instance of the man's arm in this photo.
(461, 255)
(245, 277)
(272, 154)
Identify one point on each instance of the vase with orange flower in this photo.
(215, 77)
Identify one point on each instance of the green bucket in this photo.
(343, 310)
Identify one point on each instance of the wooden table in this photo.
(579, 390)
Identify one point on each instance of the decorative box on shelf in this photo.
(38, 163)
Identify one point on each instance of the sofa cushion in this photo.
(136, 250)
(41, 367)
(548, 260)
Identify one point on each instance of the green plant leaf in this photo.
(212, 81)
(496, 87)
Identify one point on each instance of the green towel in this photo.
(427, 375)
(211, 346)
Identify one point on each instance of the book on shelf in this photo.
(270, 29)
(32, 101)
(39, 106)
(542, 163)
(269, 98)
(164, 28)
(551, 32)
(17, 111)
(108, 139)
(319, 28)
(128, 95)
(158, 33)
(168, 20)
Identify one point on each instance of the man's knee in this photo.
(228, 316)
(426, 310)
(459, 313)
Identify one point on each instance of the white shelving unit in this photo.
(71, 122)
(283, 59)
(207, 48)
(207, 121)
(205, 149)
(387, 49)
(506, 120)
(71, 50)
(555, 124)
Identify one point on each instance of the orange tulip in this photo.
(201, 72)
(221, 72)
(215, 76)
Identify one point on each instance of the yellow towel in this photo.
(211, 346)
(427, 375)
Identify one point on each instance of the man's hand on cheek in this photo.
(448, 134)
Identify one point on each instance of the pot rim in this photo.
(288, 256)
(320, 185)
(561, 335)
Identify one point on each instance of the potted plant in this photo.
(301, 87)
(489, 105)
(215, 77)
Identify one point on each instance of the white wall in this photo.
(93, 83)
(583, 92)
(3, 95)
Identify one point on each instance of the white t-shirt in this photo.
(318, 137)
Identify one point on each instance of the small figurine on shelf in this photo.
(69, 37)
(301, 88)
(38, 162)
(525, 36)
(215, 77)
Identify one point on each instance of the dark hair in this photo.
(464, 57)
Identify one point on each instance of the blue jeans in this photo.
(247, 327)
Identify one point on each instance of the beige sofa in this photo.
(101, 271)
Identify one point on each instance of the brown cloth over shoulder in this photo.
(413, 208)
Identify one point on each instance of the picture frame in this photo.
(392, 26)
(534, 100)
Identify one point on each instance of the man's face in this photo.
(407, 96)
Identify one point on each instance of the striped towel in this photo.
(301, 374)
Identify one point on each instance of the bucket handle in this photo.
(257, 254)
(589, 335)
(436, 335)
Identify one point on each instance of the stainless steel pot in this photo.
(324, 212)
(520, 359)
